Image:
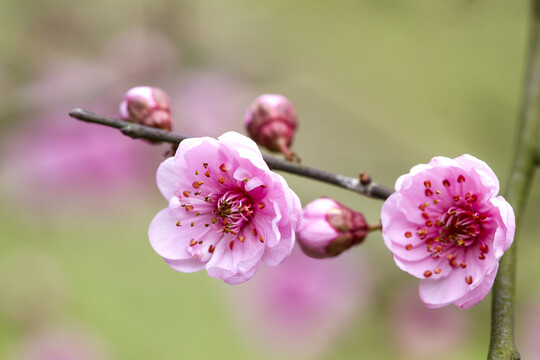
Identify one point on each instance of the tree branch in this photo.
(137, 131)
(502, 313)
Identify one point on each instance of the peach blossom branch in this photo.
(136, 131)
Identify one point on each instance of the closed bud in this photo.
(328, 228)
(271, 122)
(148, 106)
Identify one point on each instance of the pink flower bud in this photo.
(271, 121)
(328, 228)
(148, 106)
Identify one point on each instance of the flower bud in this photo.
(148, 106)
(271, 121)
(328, 228)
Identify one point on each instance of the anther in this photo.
(221, 180)
(428, 192)
(261, 239)
(205, 165)
(197, 184)
(408, 247)
(189, 207)
(446, 182)
(178, 223)
(408, 234)
(425, 215)
(186, 193)
(484, 248)
(456, 198)
(206, 225)
(193, 242)
(437, 271)
(427, 273)
(463, 265)
(231, 244)
(192, 224)
(427, 184)
(207, 173)
(196, 172)
(261, 205)
(211, 249)
(241, 238)
(429, 223)
(254, 232)
(461, 179)
(222, 167)
(468, 279)
(482, 256)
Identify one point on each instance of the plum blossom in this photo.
(227, 211)
(148, 106)
(328, 228)
(446, 225)
(271, 121)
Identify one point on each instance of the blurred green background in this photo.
(378, 85)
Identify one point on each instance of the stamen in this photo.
(446, 182)
(427, 273)
(437, 271)
(223, 168)
(468, 279)
(408, 234)
(408, 247)
(461, 179)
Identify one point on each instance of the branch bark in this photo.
(136, 131)
(502, 344)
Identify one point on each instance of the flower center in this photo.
(234, 209)
(452, 231)
(460, 227)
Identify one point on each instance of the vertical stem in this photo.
(502, 313)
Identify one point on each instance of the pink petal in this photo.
(167, 178)
(186, 265)
(236, 263)
(445, 291)
(244, 147)
(504, 235)
(479, 292)
(165, 237)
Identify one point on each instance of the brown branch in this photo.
(137, 131)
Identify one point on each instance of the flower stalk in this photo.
(502, 314)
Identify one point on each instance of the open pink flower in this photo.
(446, 226)
(227, 210)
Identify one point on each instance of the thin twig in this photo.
(137, 131)
(502, 344)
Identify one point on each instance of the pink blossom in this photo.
(227, 211)
(328, 228)
(147, 105)
(271, 121)
(446, 226)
